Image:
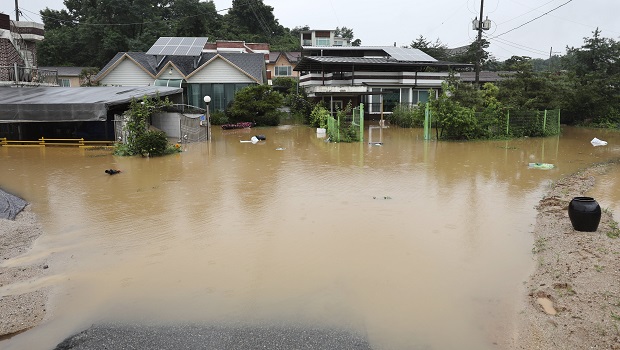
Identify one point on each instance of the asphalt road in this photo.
(221, 337)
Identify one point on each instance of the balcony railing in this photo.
(15, 75)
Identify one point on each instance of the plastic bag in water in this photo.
(596, 142)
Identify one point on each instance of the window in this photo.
(322, 41)
(64, 82)
(283, 71)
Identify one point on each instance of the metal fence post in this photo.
(507, 122)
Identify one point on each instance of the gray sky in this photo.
(386, 22)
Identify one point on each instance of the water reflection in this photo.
(405, 242)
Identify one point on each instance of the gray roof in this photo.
(329, 63)
(60, 104)
(251, 63)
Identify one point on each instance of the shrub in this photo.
(152, 143)
(407, 116)
(257, 104)
(318, 116)
(218, 118)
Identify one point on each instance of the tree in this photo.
(87, 76)
(258, 104)
(436, 49)
(595, 73)
(527, 89)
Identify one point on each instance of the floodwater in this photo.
(414, 244)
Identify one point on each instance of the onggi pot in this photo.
(584, 214)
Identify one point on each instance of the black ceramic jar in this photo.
(584, 214)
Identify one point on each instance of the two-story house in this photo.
(378, 76)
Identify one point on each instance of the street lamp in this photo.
(207, 99)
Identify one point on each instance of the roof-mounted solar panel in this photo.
(177, 46)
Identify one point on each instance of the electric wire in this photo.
(530, 21)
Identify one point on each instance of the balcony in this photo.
(22, 76)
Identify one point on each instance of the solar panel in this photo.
(177, 46)
(403, 54)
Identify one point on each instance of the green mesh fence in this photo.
(510, 124)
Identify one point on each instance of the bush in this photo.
(218, 118)
(152, 143)
(257, 104)
(407, 116)
(318, 117)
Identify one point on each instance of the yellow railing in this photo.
(42, 142)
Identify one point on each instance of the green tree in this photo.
(259, 104)
(527, 89)
(87, 76)
(436, 49)
(595, 73)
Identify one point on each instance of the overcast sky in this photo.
(385, 22)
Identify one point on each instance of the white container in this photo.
(321, 131)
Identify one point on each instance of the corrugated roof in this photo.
(58, 104)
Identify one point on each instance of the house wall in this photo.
(219, 71)
(167, 75)
(127, 73)
(282, 61)
(8, 56)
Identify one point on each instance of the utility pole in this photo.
(16, 11)
(479, 53)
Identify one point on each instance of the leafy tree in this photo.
(595, 72)
(87, 76)
(258, 104)
(526, 89)
(347, 33)
(436, 49)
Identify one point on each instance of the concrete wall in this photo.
(168, 123)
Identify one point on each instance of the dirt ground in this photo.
(21, 311)
(571, 300)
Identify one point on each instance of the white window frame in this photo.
(289, 71)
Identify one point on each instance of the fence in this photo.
(346, 128)
(512, 124)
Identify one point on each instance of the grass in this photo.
(614, 232)
(540, 245)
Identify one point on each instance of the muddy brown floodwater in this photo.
(416, 244)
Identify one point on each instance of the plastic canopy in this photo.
(68, 104)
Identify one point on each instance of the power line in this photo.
(522, 47)
(530, 21)
(532, 10)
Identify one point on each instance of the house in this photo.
(282, 64)
(200, 68)
(18, 54)
(67, 76)
(322, 38)
(378, 76)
